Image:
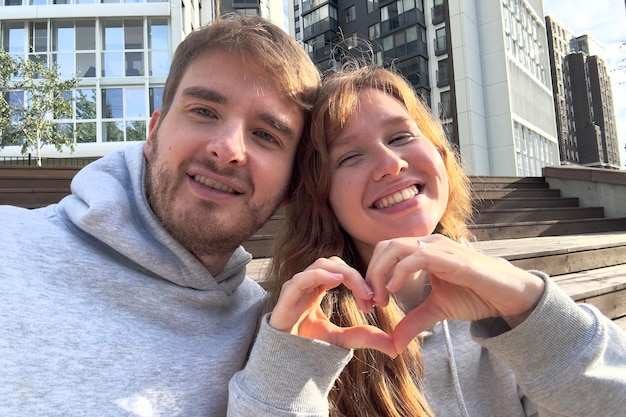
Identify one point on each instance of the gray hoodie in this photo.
(102, 313)
(563, 360)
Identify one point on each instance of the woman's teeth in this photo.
(397, 197)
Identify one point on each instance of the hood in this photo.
(108, 202)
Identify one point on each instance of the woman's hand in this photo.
(298, 308)
(464, 284)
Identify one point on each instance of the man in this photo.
(129, 297)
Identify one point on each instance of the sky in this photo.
(605, 21)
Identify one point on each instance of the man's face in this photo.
(219, 162)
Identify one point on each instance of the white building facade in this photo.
(501, 86)
(120, 50)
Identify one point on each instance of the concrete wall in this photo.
(593, 187)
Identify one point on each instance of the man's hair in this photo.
(371, 384)
(257, 41)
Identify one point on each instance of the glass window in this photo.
(156, 98)
(86, 65)
(113, 36)
(63, 37)
(159, 35)
(136, 131)
(86, 104)
(350, 14)
(374, 31)
(86, 132)
(135, 102)
(113, 132)
(39, 37)
(159, 63)
(14, 35)
(112, 64)
(134, 63)
(65, 63)
(112, 103)
(372, 6)
(86, 35)
(133, 34)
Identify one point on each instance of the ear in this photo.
(153, 128)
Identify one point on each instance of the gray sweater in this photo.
(564, 360)
(102, 313)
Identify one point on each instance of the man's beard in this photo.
(194, 227)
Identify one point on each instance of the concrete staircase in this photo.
(510, 207)
(534, 227)
(519, 219)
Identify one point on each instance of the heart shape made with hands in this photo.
(464, 285)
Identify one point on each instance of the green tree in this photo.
(33, 98)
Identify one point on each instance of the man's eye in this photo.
(202, 111)
(267, 137)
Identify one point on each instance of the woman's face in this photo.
(387, 179)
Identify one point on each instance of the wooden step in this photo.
(558, 255)
(7, 182)
(493, 193)
(482, 183)
(518, 230)
(537, 214)
(514, 203)
(34, 172)
(32, 196)
(591, 268)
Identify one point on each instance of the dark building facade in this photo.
(583, 100)
(395, 30)
(480, 65)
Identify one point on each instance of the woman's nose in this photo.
(388, 163)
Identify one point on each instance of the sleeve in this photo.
(568, 358)
(286, 375)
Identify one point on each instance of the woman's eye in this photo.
(401, 140)
(347, 160)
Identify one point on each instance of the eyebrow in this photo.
(219, 98)
(205, 94)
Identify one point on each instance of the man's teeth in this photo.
(397, 197)
(215, 185)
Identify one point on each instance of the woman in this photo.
(379, 194)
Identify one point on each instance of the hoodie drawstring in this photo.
(454, 371)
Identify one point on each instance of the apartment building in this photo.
(119, 49)
(583, 101)
(482, 65)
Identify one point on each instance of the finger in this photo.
(415, 322)
(380, 269)
(352, 279)
(383, 264)
(360, 337)
(301, 294)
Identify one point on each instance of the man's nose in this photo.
(228, 146)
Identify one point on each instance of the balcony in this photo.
(437, 14)
(440, 45)
(312, 4)
(323, 26)
(442, 78)
(405, 19)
